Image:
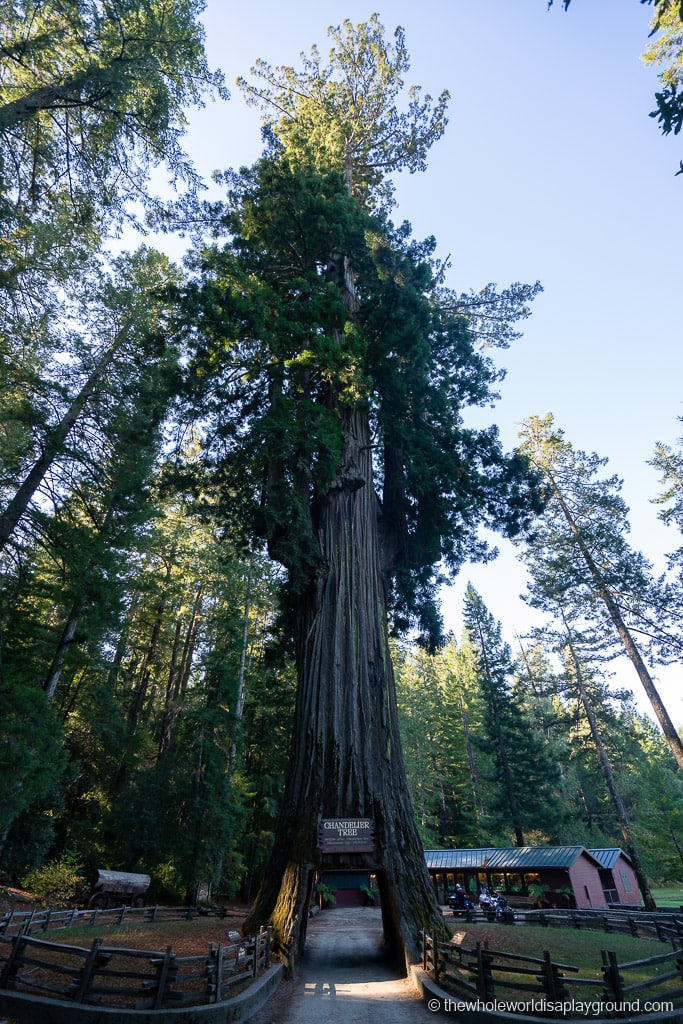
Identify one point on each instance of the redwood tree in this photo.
(332, 370)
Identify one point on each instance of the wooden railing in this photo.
(482, 974)
(661, 925)
(146, 979)
(29, 922)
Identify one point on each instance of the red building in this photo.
(551, 876)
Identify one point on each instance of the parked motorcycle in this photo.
(496, 907)
(459, 902)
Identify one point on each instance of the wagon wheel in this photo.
(99, 901)
(139, 901)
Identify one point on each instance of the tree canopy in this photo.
(666, 50)
(272, 370)
(92, 95)
(345, 114)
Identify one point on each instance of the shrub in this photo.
(59, 881)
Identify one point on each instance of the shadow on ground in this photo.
(345, 976)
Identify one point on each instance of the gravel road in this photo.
(344, 977)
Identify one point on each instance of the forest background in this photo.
(148, 694)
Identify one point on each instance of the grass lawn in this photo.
(670, 897)
(580, 949)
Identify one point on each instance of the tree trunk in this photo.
(68, 633)
(54, 445)
(615, 796)
(346, 758)
(91, 87)
(672, 737)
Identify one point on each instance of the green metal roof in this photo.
(608, 857)
(449, 860)
(514, 858)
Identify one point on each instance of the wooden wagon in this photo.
(118, 888)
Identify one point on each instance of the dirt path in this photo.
(344, 977)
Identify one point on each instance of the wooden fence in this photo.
(480, 973)
(29, 922)
(667, 927)
(144, 979)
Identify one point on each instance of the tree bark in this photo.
(65, 96)
(346, 757)
(672, 737)
(68, 633)
(54, 445)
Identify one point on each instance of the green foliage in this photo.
(58, 881)
(167, 885)
(579, 551)
(667, 49)
(521, 762)
(438, 713)
(326, 892)
(91, 97)
(345, 116)
(669, 462)
(371, 893)
(32, 770)
(271, 375)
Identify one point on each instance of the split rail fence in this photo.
(667, 927)
(480, 973)
(142, 979)
(29, 922)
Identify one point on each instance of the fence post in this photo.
(86, 973)
(214, 973)
(552, 981)
(7, 920)
(614, 983)
(164, 971)
(484, 973)
(12, 964)
(679, 964)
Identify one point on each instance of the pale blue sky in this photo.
(550, 169)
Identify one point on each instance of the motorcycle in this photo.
(495, 907)
(460, 903)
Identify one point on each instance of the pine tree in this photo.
(527, 781)
(579, 552)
